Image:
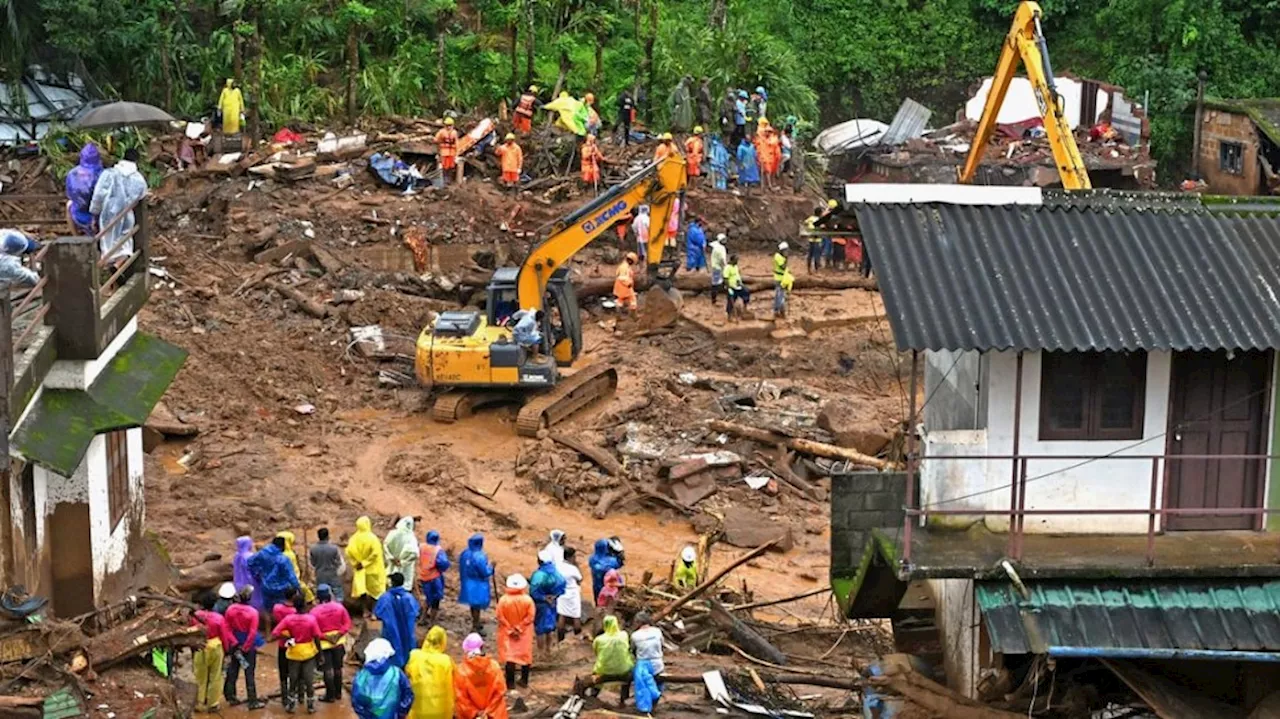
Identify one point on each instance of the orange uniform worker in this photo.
(624, 284)
(769, 150)
(515, 630)
(447, 143)
(693, 149)
(522, 118)
(665, 148)
(592, 156)
(477, 684)
(512, 160)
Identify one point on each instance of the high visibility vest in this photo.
(427, 554)
(779, 266)
(526, 105)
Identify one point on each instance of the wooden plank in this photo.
(603, 459)
(1168, 699)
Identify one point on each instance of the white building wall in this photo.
(111, 542)
(1065, 484)
(957, 619)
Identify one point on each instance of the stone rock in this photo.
(748, 529)
(853, 427)
(658, 308)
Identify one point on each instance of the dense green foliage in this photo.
(833, 58)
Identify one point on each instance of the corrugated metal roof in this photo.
(1075, 278)
(909, 122)
(1223, 615)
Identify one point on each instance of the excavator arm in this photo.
(1026, 43)
(660, 184)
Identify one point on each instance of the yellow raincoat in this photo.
(364, 554)
(231, 102)
(307, 594)
(613, 650)
(430, 672)
(686, 575)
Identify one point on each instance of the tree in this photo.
(355, 16)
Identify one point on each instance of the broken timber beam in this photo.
(750, 640)
(603, 459)
(712, 580)
(799, 444)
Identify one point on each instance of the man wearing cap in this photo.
(512, 158)
(686, 573)
(226, 595)
(779, 276)
(693, 149)
(665, 148)
(522, 118)
(516, 612)
(447, 145)
(335, 624)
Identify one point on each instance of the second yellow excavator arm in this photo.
(1026, 42)
(659, 184)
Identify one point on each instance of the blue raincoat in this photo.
(601, 561)
(80, 183)
(433, 591)
(718, 157)
(474, 571)
(695, 247)
(647, 689)
(748, 168)
(544, 586)
(381, 691)
(398, 612)
(273, 572)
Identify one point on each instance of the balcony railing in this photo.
(1017, 511)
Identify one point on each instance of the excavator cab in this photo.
(562, 325)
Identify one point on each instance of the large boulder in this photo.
(854, 427)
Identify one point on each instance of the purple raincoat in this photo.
(80, 183)
(241, 576)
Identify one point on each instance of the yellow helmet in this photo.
(448, 121)
(764, 122)
(697, 130)
(667, 136)
(509, 137)
(533, 88)
(633, 257)
(832, 204)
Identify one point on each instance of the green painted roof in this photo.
(1217, 614)
(57, 431)
(1264, 111)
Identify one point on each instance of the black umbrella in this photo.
(117, 114)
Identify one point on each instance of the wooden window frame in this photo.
(1091, 364)
(1224, 164)
(117, 452)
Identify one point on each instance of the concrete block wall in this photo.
(1220, 126)
(862, 502)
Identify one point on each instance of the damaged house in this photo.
(1111, 129)
(81, 382)
(1239, 146)
(1093, 489)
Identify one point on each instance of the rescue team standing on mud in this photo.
(401, 580)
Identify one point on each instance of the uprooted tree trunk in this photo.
(353, 69)
(529, 40)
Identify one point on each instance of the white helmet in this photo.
(721, 237)
(227, 591)
(517, 581)
(782, 246)
(688, 554)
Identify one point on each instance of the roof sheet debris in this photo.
(1064, 277)
(908, 123)
(31, 106)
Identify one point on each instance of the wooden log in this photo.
(607, 500)
(203, 576)
(809, 680)
(602, 458)
(297, 248)
(783, 468)
(712, 580)
(504, 519)
(750, 640)
(784, 600)
(799, 444)
(311, 307)
(327, 260)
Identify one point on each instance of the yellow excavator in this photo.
(1026, 42)
(474, 355)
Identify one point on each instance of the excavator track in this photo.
(459, 404)
(570, 395)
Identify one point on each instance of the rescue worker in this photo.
(79, 185)
(273, 571)
(447, 145)
(760, 104)
(368, 570)
(207, 660)
(398, 612)
(704, 102)
(626, 115)
(693, 150)
(828, 243)
(288, 538)
(302, 634)
(780, 273)
(231, 108)
(226, 595)
(335, 624)
(118, 190)
(327, 562)
(641, 226)
(555, 545)
(719, 160)
(809, 228)
(593, 124)
(512, 161)
(673, 222)
(569, 603)
(242, 621)
(681, 105)
(686, 573)
(737, 289)
(430, 672)
(665, 148)
(624, 283)
(433, 562)
(516, 614)
(719, 258)
(526, 330)
(748, 167)
(600, 562)
(401, 551)
(695, 246)
(545, 586)
(522, 118)
(592, 156)
(739, 119)
(769, 148)
(474, 571)
(613, 657)
(381, 690)
(479, 687)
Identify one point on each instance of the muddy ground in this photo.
(297, 432)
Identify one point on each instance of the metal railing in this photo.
(1018, 512)
(26, 313)
(122, 270)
